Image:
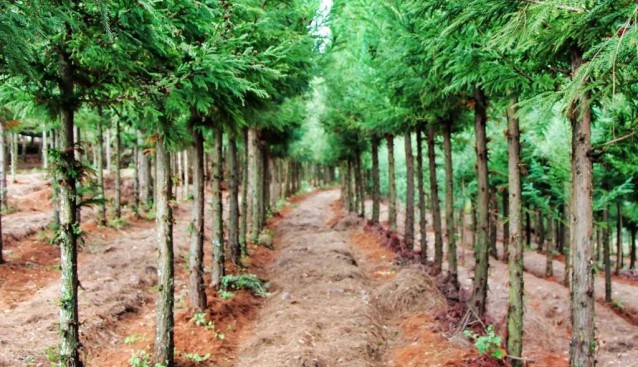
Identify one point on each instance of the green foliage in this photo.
(246, 281)
(197, 358)
(489, 343)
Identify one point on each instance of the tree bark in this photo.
(551, 243)
(218, 219)
(606, 255)
(409, 196)
(493, 224)
(164, 337)
(3, 181)
(632, 254)
(540, 230)
(233, 229)
(449, 205)
(243, 230)
(45, 148)
(423, 230)
(392, 188)
(479, 296)
(434, 197)
(361, 208)
(567, 217)
(118, 176)
(67, 234)
(108, 150)
(186, 186)
(582, 347)
(197, 294)
(528, 229)
(100, 170)
(349, 191)
(376, 193)
(14, 157)
(136, 179)
(506, 227)
(619, 248)
(516, 306)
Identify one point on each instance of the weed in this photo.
(246, 281)
(226, 295)
(489, 343)
(132, 339)
(52, 354)
(196, 357)
(117, 223)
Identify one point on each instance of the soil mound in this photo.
(411, 291)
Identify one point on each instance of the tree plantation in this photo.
(318, 183)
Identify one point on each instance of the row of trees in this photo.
(528, 80)
(227, 77)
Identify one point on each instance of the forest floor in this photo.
(338, 298)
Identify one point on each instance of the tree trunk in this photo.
(177, 161)
(506, 227)
(423, 230)
(233, 230)
(567, 217)
(479, 295)
(14, 157)
(55, 140)
(582, 351)
(164, 344)
(67, 234)
(540, 230)
(516, 306)
(100, 171)
(3, 182)
(493, 224)
(118, 177)
(632, 253)
(376, 193)
(45, 148)
(24, 148)
(136, 179)
(243, 231)
(619, 248)
(409, 196)
(252, 182)
(361, 208)
(349, 193)
(434, 197)
(218, 219)
(108, 149)
(392, 187)
(551, 243)
(186, 186)
(528, 229)
(197, 294)
(606, 255)
(449, 205)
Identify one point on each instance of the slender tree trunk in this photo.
(55, 139)
(186, 186)
(540, 230)
(118, 176)
(619, 248)
(493, 224)
(164, 336)
(197, 294)
(252, 183)
(516, 306)
(177, 161)
(551, 243)
(108, 149)
(409, 196)
(434, 197)
(67, 234)
(45, 148)
(376, 193)
(14, 157)
(361, 186)
(218, 220)
(449, 205)
(24, 148)
(349, 193)
(567, 216)
(3, 182)
(243, 231)
(582, 351)
(528, 229)
(423, 230)
(479, 296)
(100, 171)
(233, 230)
(632, 254)
(136, 179)
(392, 187)
(506, 227)
(606, 255)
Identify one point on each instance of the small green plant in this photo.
(52, 354)
(489, 343)
(140, 359)
(200, 319)
(195, 357)
(226, 295)
(117, 223)
(132, 339)
(246, 281)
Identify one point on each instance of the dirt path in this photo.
(320, 297)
